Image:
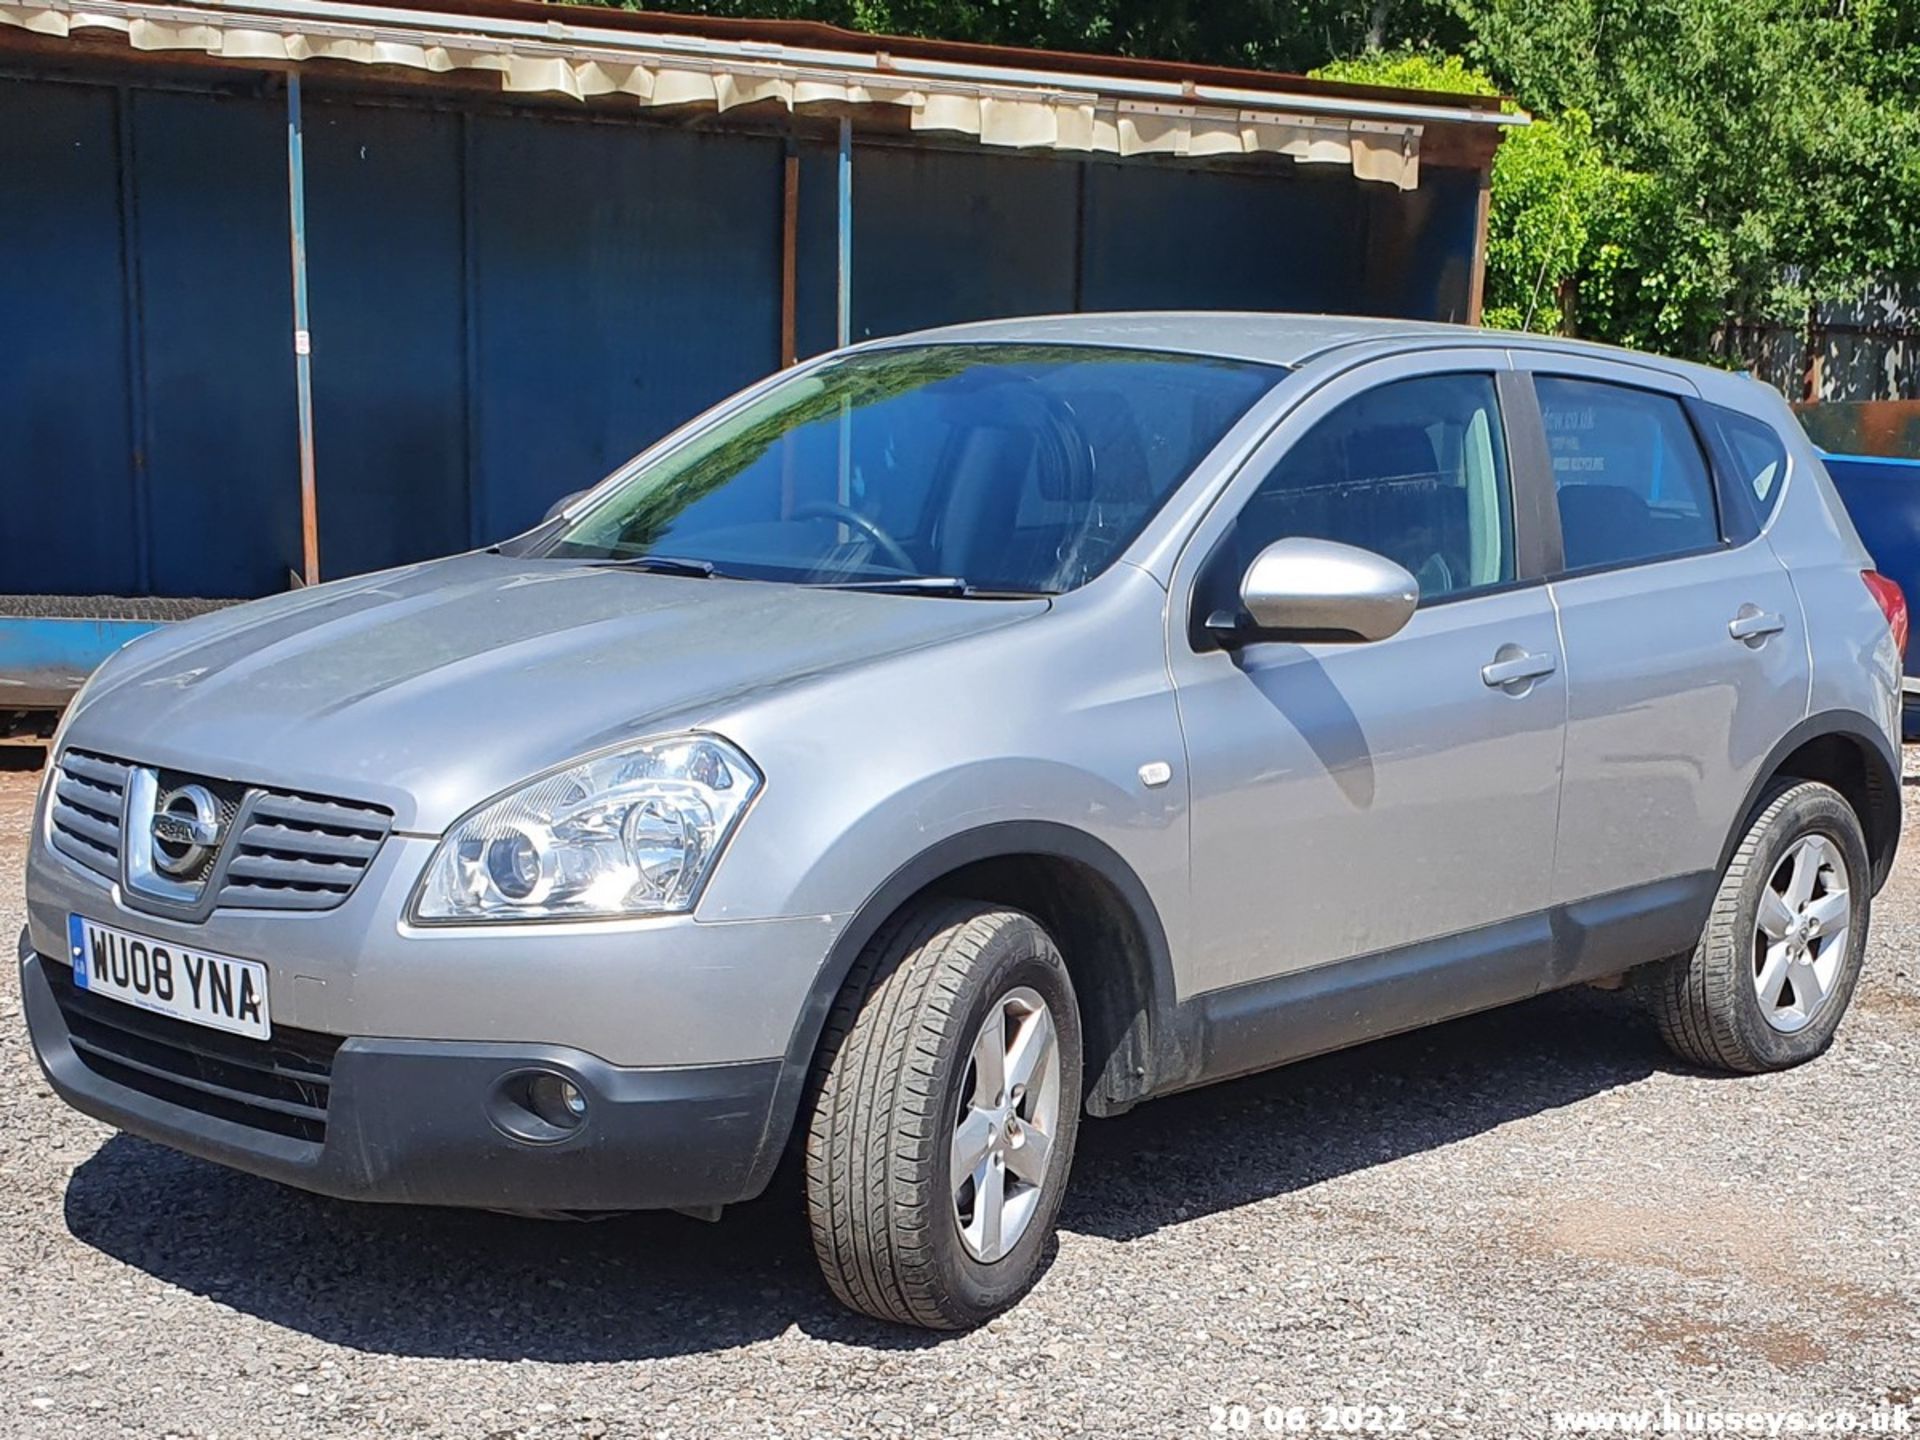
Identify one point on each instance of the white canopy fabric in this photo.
(1015, 108)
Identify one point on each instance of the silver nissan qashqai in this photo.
(972, 729)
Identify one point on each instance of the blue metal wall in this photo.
(1161, 238)
(625, 278)
(504, 307)
(213, 303)
(69, 518)
(946, 235)
(146, 408)
(507, 304)
(387, 288)
(949, 235)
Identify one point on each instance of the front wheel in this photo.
(1774, 970)
(947, 1103)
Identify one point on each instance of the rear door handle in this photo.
(1516, 669)
(1753, 625)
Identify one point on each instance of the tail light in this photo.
(1892, 604)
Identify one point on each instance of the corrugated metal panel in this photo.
(947, 235)
(145, 389)
(216, 326)
(607, 308)
(67, 509)
(815, 257)
(1161, 237)
(388, 298)
(1865, 427)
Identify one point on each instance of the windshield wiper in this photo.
(941, 585)
(661, 565)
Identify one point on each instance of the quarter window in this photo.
(1632, 482)
(1758, 457)
(1415, 470)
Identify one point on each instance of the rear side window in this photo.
(1632, 481)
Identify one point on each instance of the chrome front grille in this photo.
(296, 853)
(89, 793)
(278, 850)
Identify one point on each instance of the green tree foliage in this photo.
(1691, 160)
(1775, 141)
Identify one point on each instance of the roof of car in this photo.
(1269, 337)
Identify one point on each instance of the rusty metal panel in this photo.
(1871, 427)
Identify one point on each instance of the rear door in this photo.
(1685, 653)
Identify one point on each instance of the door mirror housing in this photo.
(1320, 590)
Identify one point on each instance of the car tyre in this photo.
(905, 1116)
(1765, 989)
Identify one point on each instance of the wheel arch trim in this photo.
(1001, 840)
(1881, 766)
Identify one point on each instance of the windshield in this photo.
(968, 468)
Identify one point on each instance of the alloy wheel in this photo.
(1802, 932)
(1004, 1125)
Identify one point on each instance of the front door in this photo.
(1349, 800)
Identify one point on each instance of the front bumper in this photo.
(413, 1121)
(671, 990)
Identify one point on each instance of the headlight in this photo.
(632, 832)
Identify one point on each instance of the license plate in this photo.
(218, 991)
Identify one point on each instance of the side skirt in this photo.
(1291, 1017)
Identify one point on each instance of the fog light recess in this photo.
(540, 1107)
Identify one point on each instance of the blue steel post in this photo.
(844, 293)
(302, 342)
(843, 329)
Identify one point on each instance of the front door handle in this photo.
(1516, 667)
(1753, 625)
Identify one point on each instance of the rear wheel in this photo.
(948, 1100)
(1776, 966)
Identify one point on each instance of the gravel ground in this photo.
(1509, 1215)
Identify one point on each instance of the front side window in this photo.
(998, 467)
(1415, 470)
(1632, 481)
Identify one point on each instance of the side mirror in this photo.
(1322, 590)
(554, 509)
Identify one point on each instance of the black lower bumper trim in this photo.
(412, 1121)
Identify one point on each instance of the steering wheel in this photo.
(832, 510)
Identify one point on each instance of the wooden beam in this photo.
(789, 256)
(1477, 276)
